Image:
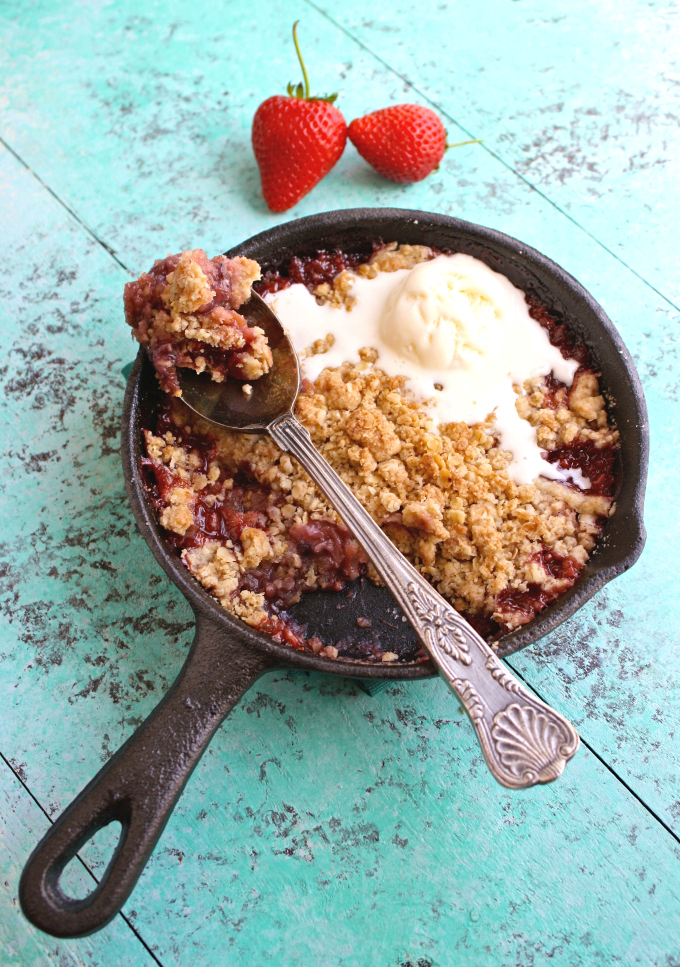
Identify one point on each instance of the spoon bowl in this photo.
(272, 396)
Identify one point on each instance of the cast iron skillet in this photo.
(141, 783)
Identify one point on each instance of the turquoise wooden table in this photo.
(326, 826)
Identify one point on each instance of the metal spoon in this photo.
(524, 741)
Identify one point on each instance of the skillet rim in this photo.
(595, 575)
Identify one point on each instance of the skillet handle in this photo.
(139, 786)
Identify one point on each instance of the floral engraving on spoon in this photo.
(439, 625)
(471, 699)
(502, 675)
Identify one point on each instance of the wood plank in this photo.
(90, 619)
(581, 99)
(21, 825)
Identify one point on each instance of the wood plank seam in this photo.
(603, 761)
(493, 154)
(78, 856)
(63, 204)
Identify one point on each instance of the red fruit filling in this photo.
(310, 270)
(184, 313)
(221, 515)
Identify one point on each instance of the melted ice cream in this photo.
(461, 334)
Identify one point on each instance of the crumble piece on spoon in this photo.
(184, 313)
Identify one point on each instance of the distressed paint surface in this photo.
(20, 821)
(322, 823)
(582, 99)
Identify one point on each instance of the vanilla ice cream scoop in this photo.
(460, 334)
(446, 312)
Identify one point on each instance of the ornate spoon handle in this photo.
(524, 741)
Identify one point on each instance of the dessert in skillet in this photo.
(184, 313)
(465, 418)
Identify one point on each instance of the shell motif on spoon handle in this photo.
(524, 741)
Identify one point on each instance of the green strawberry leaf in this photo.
(299, 91)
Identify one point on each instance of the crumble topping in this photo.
(255, 531)
(184, 312)
(389, 258)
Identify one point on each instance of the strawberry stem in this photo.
(459, 144)
(298, 90)
(302, 63)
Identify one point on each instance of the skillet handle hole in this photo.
(95, 855)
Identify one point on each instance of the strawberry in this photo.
(296, 140)
(403, 143)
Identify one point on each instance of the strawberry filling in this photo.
(184, 313)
